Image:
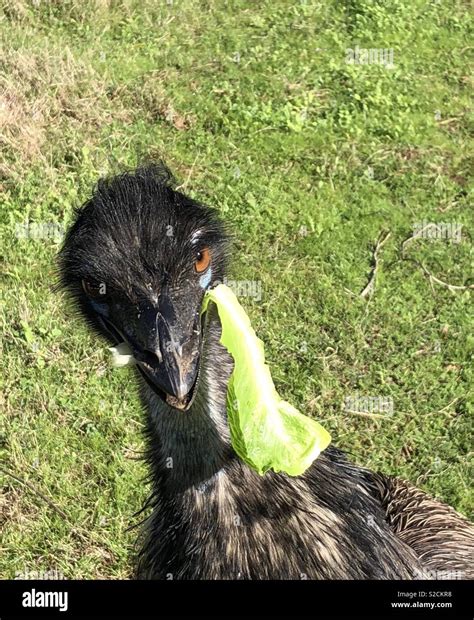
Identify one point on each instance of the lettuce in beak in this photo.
(266, 431)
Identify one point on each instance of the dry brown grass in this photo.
(22, 10)
(50, 95)
(47, 97)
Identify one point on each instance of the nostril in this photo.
(151, 357)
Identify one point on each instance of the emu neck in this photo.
(189, 448)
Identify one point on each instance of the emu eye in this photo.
(94, 289)
(203, 260)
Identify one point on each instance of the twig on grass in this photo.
(383, 237)
(426, 271)
(184, 185)
(34, 490)
(85, 536)
(365, 414)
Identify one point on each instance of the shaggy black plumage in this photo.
(138, 260)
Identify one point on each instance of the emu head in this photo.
(138, 260)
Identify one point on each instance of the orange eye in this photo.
(94, 289)
(203, 260)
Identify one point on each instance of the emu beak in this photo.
(166, 347)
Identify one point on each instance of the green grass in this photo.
(308, 159)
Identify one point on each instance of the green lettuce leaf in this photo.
(266, 432)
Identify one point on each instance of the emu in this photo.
(137, 261)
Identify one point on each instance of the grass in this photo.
(309, 159)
